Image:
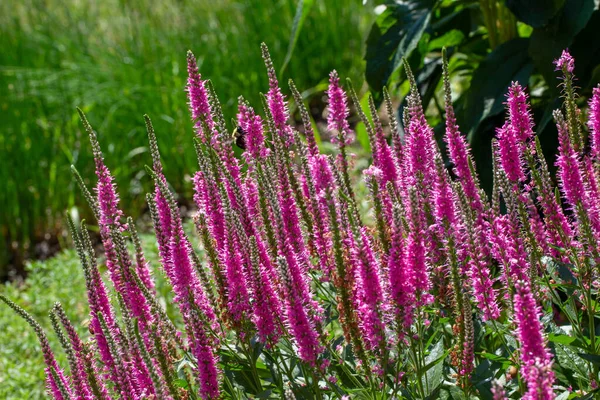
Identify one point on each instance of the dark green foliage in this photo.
(494, 43)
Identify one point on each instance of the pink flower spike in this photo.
(252, 129)
(338, 111)
(536, 360)
(508, 151)
(198, 100)
(565, 62)
(594, 122)
(519, 113)
(276, 101)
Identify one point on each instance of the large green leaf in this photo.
(487, 94)
(434, 365)
(547, 42)
(536, 13)
(394, 35)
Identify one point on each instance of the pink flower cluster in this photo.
(288, 258)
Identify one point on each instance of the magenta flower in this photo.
(419, 163)
(198, 101)
(201, 348)
(209, 202)
(401, 285)
(276, 102)
(565, 62)
(519, 114)
(252, 126)
(267, 306)
(370, 299)
(509, 155)
(569, 169)
(460, 154)
(338, 111)
(508, 248)
(536, 360)
(300, 325)
(416, 251)
(321, 172)
(238, 300)
(594, 122)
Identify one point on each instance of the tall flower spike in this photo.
(458, 149)
(397, 139)
(252, 133)
(142, 265)
(238, 299)
(536, 360)
(267, 306)
(308, 129)
(302, 329)
(108, 204)
(572, 184)
(276, 101)
(478, 267)
(566, 64)
(198, 101)
(86, 367)
(57, 382)
(161, 206)
(401, 276)
(519, 113)
(180, 271)
(384, 153)
(73, 347)
(371, 296)
(337, 120)
(97, 294)
(416, 251)
(508, 149)
(569, 168)
(594, 122)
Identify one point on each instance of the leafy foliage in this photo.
(507, 40)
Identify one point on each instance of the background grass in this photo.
(120, 59)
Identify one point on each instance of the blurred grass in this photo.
(120, 59)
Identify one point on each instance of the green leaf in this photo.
(393, 36)
(536, 13)
(508, 62)
(547, 43)
(453, 37)
(571, 361)
(434, 366)
(562, 339)
(594, 359)
(302, 11)
(182, 383)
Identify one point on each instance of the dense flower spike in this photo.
(198, 101)
(508, 149)
(536, 359)
(252, 133)
(276, 102)
(594, 122)
(304, 288)
(565, 62)
(337, 120)
(519, 114)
